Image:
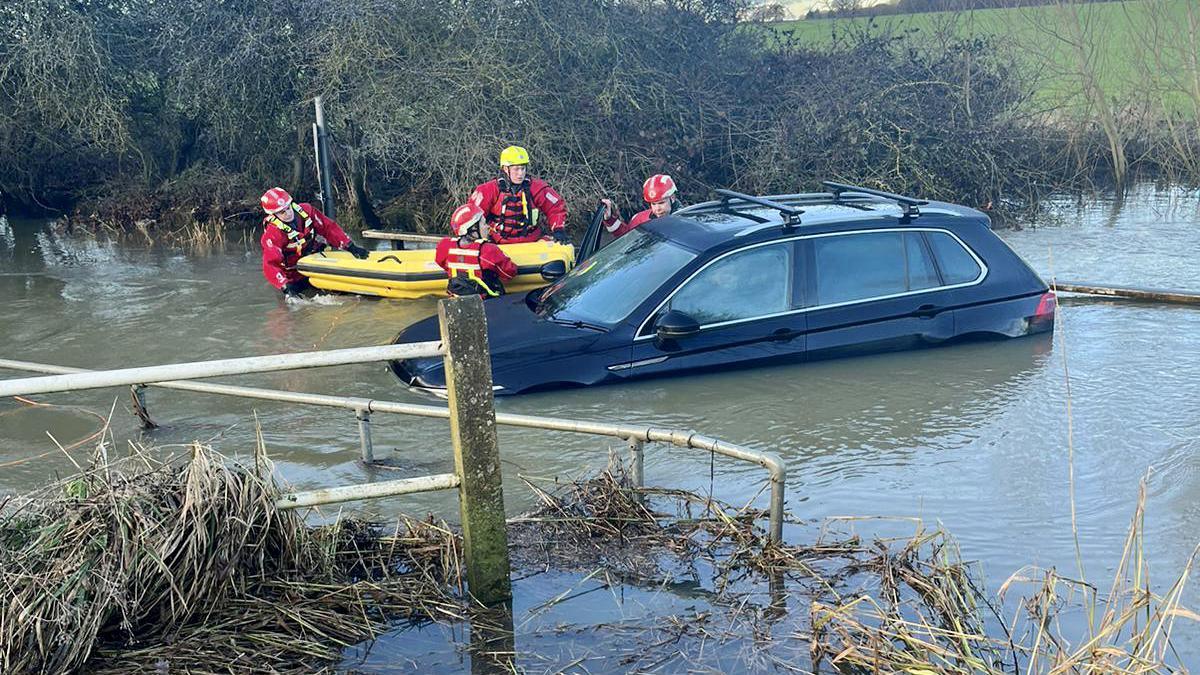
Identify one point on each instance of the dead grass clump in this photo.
(145, 565)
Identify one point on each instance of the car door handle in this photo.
(784, 334)
(927, 311)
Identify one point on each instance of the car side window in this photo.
(743, 285)
(958, 266)
(863, 265)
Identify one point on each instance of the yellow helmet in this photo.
(513, 154)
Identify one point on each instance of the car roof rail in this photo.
(791, 216)
(909, 205)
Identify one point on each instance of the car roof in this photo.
(701, 227)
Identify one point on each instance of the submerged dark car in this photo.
(750, 281)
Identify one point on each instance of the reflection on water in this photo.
(974, 436)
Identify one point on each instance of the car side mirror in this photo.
(674, 325)
(554, 270)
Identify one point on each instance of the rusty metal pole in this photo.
(476, 448)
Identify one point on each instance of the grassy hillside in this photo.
(1139, 52)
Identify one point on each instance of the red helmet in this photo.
(275, 199)
(465, 217)
(657, 188)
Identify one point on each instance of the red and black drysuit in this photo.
(515, 212)
(283, 244)
(617, 227)
(474, 266)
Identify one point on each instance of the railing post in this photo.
(637, 462)
(138, 393)
(476, 449)
(364, 435)
(778, 485)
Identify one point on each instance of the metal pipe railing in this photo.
(635, 435)
(350, 493)
(202, 369)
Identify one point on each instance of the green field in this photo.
(1139, 51)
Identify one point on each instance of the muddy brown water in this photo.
(973, 436)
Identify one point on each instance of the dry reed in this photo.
(143, 565)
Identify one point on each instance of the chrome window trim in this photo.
(983, 272)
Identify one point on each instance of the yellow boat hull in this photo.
(414, 274)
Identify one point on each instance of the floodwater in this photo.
(976, 437)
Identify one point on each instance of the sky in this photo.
(798, 8)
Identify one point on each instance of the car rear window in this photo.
(958, 266)
(863, 265)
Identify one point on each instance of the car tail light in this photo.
(1046, 307)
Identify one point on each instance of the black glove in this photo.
(560, 235)
(357, 251)
(293, 289)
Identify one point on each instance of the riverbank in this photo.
(183, 565)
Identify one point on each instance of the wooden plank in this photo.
(1131, 292)
(401, 236)
(476, 449)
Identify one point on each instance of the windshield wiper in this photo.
(575, 323)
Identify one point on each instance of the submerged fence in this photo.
(470, 409)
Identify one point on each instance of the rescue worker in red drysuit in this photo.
(516, 203)
(473, 263)
(658, 191)
(290, 232)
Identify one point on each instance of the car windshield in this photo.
(609, 285)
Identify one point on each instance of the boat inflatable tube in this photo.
(414, 274)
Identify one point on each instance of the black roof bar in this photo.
(908, 204)
(791, 216)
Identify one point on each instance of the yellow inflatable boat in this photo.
(414, 274)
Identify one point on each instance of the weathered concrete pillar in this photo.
(476, 450)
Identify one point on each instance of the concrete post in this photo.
(476, 450)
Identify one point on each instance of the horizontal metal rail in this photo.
(1163, 295)
(202, 369)
(350, 493)
(633, 433)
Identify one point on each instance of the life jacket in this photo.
(517, 217)
(467, 275)
(301, 242)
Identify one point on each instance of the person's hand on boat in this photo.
(561, 236)
(357, 251)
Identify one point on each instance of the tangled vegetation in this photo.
(174, 113)
(137, 565)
